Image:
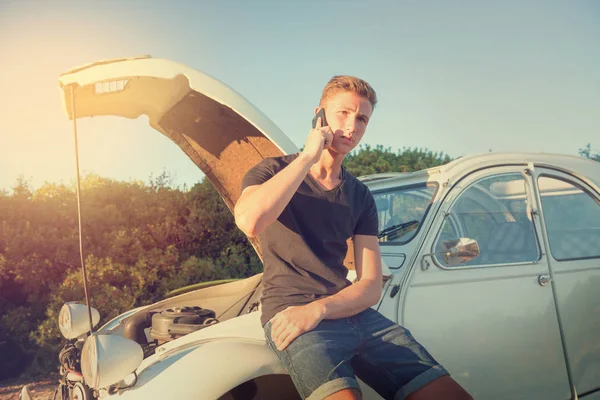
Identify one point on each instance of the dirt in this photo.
(41, 388)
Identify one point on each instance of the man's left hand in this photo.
(292, 322)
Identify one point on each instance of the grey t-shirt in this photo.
(304, 249)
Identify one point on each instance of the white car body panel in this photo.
(216, 357)
(167, 69)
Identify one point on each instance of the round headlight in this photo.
(106, 359)
(89, 361)
(73, 320)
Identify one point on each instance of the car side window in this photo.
(401, 211)
(572, 217)
(492, 211)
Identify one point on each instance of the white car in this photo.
(492, 261)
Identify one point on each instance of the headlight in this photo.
(89, 361)
(73, 320)
(106, 359)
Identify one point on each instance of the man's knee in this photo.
(345, 394)
(442, 388)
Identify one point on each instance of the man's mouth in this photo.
(348, 138)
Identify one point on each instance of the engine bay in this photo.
(173, 323)
(178, 316)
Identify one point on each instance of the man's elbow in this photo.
(247, 225)
(374, 292)
(375, 297)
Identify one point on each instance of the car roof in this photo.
(585, 168)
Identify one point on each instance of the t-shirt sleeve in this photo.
(368, 223)
(259, 174)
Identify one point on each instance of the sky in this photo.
(458, 77)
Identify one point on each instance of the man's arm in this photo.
(366, 291)
(260, 205)
(293, 321)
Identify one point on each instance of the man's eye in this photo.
(343, 112)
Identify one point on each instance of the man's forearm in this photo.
(263, 206)
(350, 300)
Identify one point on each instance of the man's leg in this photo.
(394, 364)
(442, 388)
(346, 394)
(318, 361)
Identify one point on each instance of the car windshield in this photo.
(401, 210)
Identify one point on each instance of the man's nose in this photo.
(350, 125)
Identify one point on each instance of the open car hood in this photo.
(221, 131)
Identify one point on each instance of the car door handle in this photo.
(395, 290)
(543, 280)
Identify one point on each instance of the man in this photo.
(303, 207)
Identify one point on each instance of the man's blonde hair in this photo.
(347, 83)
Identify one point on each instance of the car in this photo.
(492, 261)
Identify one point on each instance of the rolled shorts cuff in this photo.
(425, 378)
(329, 388)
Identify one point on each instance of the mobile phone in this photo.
(320, 113)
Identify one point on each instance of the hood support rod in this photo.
(83, 269)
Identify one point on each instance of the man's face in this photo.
(348, 115)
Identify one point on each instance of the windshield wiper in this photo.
(395, 228)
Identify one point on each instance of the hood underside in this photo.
(221, 132)
(220, 142)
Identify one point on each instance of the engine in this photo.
(179, 321)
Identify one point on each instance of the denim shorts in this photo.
(380, 352)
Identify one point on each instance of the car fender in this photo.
(206, 364)
(207, 372)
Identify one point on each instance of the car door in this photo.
(570, 212)
(490, 321)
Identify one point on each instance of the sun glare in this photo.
(37, 136)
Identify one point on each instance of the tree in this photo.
(586, 152)
(143, 239)
(367, 160)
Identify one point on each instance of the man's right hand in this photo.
(318, 139)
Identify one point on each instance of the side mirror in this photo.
(458, 251)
